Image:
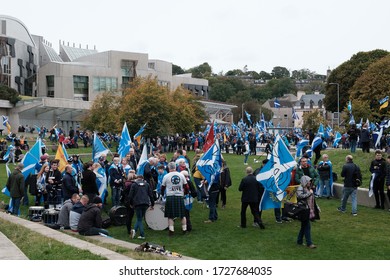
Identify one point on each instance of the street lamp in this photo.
(242, 111)
(338, 102)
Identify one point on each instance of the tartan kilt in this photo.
(174, 207)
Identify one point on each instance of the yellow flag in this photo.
(384, 105)
(60, 155)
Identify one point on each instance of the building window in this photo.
(128, 72)
(81, 87)
(105, 84)
(50, 85)
(151, 65)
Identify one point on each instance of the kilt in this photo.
(174, 207)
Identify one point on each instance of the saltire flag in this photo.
(6, 123)
(209, 139)
(316, 142)
(37, 128)
(275, 176)
(101, 182)
(6, 192)
(98, 149)
(337, 139)
(373, 126)
(377, 135)
(371, 186)
(276, 103)
(269, 201)
(137, 136)
(385, 124)
(227, 132)
(384, 102)
(6, 156)
(248, 116)
(359, 125)
(62, 156)
(31, 158)
(349, 106)
(271, 124)
(143, 160)
(320, 130)
(210, 163)
(124, 143)
(235, 127)
(302, 143)
(294, 114)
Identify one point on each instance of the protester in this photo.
(88, 181)
(41, 184)
(75, 212)
(69, 186)
(251, 192)
(350, 187)
(307, 169)
(365, 139)
(246, 152)
(90, 222)
(63, 216)
(388, 178)
(176, 186)
(324, 169)
(15, 185)
(141, 197)
(117, 178)
(378, 171)
(226, 182)
(305, 193)
(127, 202)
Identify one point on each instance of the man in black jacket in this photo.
(69, 186)
(350, 189)
(88, 181)
(252, 191)
(378, 170)
(90, 222)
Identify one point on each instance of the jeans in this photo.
(15, 205)
(305, 231)
(116, 195)
(346, 193)
(140, 211)
(94, 231)
(353, 146)
(213, 215)
(246, 158)
(324, 184)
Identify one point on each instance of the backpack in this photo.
(357, 177)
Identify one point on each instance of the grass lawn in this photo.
(338, 236)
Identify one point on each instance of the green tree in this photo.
(279, 72)
(7, 93)
(103, 116)
(346, 74)
(302, 74)
(235, 72)
(312, 120)
(202, 71)
(177, 70)
(265, 76)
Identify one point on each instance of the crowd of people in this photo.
(177, 180)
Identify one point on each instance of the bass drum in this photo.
(118, 215)
(155, 218)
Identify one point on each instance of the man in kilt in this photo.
(174, 185)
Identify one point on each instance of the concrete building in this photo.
(63, 85)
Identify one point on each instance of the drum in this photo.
(155, 218)
(35, 213)
(118, 215)
(50, 216)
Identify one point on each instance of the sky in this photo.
(258, 34)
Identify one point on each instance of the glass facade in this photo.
(105, 84)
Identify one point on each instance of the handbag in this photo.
(188, 200)
(297, 211)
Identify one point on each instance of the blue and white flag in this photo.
(7, 153)
(124, 143)
(337, 139)
(321, 130)
(352, 120)
(101, 182)
(31, 158)
(248, 116)
(316, 142)
(209, 165)
(276, 103)
(377, 135)
(142, 161)
(294, 114)
(302, 143)
(275, 176)
(349, 106)
(98, 149)
(137, 136)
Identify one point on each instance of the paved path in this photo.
(9, 251)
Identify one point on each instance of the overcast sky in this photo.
(227, 34)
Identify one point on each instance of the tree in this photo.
(177, 70)
(346, 74)
(235, 72)
(108, 121)
(312, 120)
(265, 76)
(303, 74)
(279, 72)
(223, 88)
(202, 71)
(9, 94)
